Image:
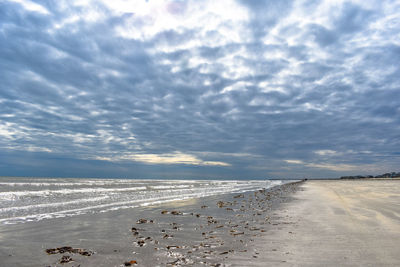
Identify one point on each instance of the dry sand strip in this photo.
(334, 223)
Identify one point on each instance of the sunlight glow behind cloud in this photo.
(169, 158)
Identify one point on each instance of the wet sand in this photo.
(196, 232)
(316, 223)
(334, 223)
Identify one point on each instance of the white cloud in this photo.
(334, 167)
(267, 87)
(31, 6)
(328, 166)
(326, 152)
(7, 131)
(293, 161)
(239, 86)
(152, 17)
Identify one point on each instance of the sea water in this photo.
(33, 199)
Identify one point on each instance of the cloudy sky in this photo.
(199, 89)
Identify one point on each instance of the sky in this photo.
(199, 89)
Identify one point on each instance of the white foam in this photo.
(48, 192)
(59, 200)
(52, 204)
(169, 186)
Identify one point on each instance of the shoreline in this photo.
(202, 231)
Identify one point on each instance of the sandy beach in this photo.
(314, 223)
(334, 223)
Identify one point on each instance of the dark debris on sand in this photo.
(184, 238)
(62, 250)
(209, 239)
(66, 249)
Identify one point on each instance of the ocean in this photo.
(25, 200)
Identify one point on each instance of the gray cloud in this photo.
(266, 14)
(119, 94)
